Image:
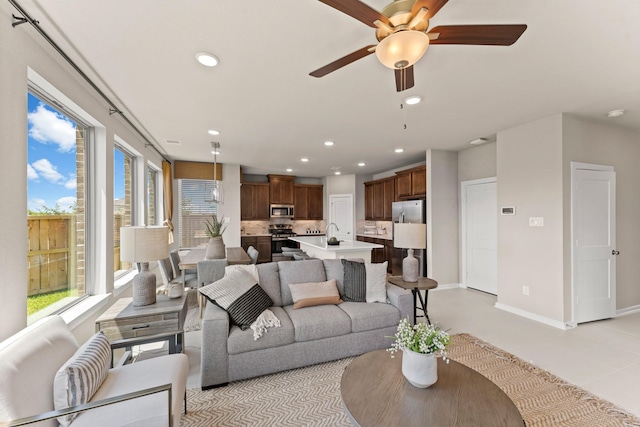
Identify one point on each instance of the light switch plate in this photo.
(536, 221)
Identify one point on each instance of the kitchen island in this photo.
(317, 247)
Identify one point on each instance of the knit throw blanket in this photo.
(266, 320)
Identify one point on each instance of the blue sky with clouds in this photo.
(51, 168)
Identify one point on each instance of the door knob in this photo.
(614, 252)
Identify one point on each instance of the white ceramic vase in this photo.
(215, 249)
(421, 370)
(176, 290)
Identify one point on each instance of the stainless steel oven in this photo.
(281, 211)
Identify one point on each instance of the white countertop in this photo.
(320, 242)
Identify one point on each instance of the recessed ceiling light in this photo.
(304, 159)
(328, 143)
(207, 59)
(289, 170)
(478, 141)
(361, 164)
(213, 132)
(399, 150)
(615, 113)
(413, 100)
(337, 173)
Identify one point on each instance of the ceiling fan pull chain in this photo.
(404, 115)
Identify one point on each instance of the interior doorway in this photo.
(479, 226)
(341, 214)
(593, 242)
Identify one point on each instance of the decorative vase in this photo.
(421, 370)
(215, 249)
(176, 290)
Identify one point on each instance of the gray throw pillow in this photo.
(355, 281)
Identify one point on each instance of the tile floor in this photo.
(602, 357)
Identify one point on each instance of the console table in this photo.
(423, 284)
(375, 393)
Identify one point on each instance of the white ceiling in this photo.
(577, 56)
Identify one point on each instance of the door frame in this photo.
(464, 185)
(575, 166)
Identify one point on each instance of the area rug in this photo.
(311, 396)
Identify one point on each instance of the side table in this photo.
(126, 325)
(423, 284)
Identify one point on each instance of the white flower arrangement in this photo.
(421, 338)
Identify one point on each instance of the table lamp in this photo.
(144, 244)
(410, 236)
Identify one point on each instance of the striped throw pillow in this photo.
(82, 375)
(355, 281)
(240, 295)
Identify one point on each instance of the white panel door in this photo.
(481, 237)
(341, 214)
(594, 240)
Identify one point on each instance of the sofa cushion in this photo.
(82, 375)
(370, 316)
(376, 282)
(240, 295)
(333, 269)
(270, 281)
(250, 268)
(299, 272)
(355, 281)
(309, 294)
(320, 321)
(240, 341)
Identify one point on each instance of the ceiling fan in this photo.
(401, 30)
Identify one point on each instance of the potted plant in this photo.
(215, 228)
(421, 344)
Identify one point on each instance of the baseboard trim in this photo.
(533, 316)
(447, 286)
(628, 310)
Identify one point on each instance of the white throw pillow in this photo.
(249, 268)
(376, 282)
(82, 375)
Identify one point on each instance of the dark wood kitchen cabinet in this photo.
(411, 183)
(262, 245)
(380, 255)
(281, 189)
(308, 201)
(379, 196)
(254, 201)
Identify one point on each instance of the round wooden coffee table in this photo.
(375, 393)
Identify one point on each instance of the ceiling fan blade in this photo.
(358, 10)
(492, 35)
(433, 5)
(404, 78)
(345, 60)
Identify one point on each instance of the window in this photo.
(56, 216)
(194, 211)
(152, 198)
(123, 208)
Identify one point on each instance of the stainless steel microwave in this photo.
(281, 211)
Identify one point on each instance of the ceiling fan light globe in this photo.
(402, 49)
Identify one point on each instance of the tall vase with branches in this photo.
(215, 227)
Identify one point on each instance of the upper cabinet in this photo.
(411, 183)
(308, 201)
(379, 196)
(254, 201)
(281, 189)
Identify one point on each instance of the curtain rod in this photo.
(113, 108)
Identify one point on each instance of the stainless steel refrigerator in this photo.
(412, 211)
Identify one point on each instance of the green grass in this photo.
(38, 302)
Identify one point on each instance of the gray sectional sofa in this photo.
(306, 336)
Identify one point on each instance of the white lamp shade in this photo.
(410, 236)
(143, 244)
(402, 49)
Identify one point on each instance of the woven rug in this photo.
(311, 396)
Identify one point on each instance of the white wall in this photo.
(529, 167)
(477, 162)
(442, 217)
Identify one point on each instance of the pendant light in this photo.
(214, 192)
